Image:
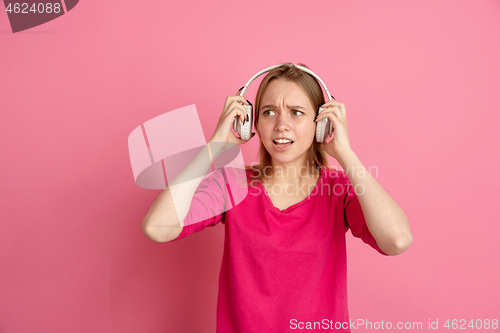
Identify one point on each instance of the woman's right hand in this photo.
(223, 133)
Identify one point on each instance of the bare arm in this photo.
(385, 219)
(165, 218)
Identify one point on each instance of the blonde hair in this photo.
(316, 157)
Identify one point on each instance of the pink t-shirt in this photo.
(281, 269)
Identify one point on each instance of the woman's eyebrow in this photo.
(272, 106)
(296, 107)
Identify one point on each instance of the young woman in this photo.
(284, 262)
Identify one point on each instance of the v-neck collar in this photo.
(298, 204)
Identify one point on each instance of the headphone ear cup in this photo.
(324, 128)
(247, 127)
(244, 130)
(329, 126)
(320, 129)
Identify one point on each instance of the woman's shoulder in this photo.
(253, 175)
(252, 170)
(333, 174)
(240, 175)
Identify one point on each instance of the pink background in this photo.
(420, 80)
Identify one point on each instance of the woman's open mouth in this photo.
(282, 145)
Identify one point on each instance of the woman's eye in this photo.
(267, 112)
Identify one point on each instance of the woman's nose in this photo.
(282, 122)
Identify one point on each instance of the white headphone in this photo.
(245, 129)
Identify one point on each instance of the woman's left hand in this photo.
(335, 111)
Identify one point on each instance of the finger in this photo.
(336, 110)
(241, 99)
(244, 112)
(342, 109)
(332, 107)
(324, 114)
(334, 102)
(238, 113)
(231, 99)
(335, 120)
(238, 110)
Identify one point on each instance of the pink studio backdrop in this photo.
(420, 80)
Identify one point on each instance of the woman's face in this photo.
(286, 112)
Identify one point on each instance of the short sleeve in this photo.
(208, 205)
(355, 219)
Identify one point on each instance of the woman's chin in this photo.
(284, 158)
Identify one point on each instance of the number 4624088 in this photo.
(477, 324)
(35, 8)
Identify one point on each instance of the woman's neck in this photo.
(291, 174)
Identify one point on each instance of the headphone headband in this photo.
(297, 66)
